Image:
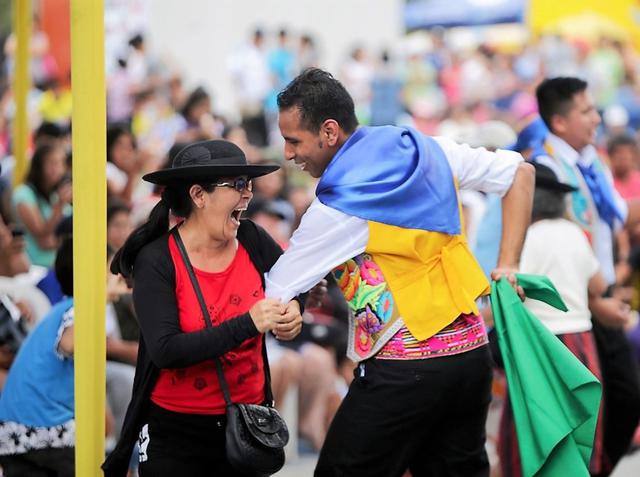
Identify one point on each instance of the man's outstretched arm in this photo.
(516, 216)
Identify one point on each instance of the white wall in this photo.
(199, 35)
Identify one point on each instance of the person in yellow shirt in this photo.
(54, 105)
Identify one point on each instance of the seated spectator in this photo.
(13, 259)
(623, 159)
(12, 334)
(42, 201)
(123, 165)
(198, 121)
(18, 278)
(37, 434)
(54, 105)
(118, 223)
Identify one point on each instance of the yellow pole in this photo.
(89, 230)
(21, 85)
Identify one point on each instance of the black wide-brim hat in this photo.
(547, 179)
(208, 161)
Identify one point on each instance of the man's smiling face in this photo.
(308, 149)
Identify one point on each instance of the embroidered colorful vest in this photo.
(409, 278)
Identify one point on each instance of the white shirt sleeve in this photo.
(325, 238)
(480, 169)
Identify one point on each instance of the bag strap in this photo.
(207, 318)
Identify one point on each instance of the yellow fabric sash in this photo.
(433, 276)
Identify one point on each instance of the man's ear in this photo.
(558, 124)
(330, 132)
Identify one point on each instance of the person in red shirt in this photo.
(623, 158)
(177, 406)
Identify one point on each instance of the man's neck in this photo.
(568, 153)
(576, 147)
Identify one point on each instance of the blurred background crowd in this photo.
(477, 88)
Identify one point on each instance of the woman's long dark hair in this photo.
(36, 177)
(174, 198)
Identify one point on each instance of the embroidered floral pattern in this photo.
(348, 278)
(373, 329)
(384, 308)
(370, 301)
(369, 321)
(363, 341)
(371, 273)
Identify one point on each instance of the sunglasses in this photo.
(240, 185)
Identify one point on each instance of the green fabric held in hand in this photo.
(555, 398)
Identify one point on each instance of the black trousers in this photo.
(175, 444)
(424, 415)
(621, 388)
(40, 463)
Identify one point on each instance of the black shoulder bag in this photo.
(255, 434)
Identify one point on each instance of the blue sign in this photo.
(451, 13)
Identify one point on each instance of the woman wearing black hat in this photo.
(177, 407)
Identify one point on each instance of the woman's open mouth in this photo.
(236, 214)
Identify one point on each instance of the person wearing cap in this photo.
(386, 221)
(557, 248)
(177, 407)
(568, 111)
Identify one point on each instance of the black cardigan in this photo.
(162, 343)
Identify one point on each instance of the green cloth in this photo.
(555, 398)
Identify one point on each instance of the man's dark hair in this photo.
(618, 141)
(319, 96)
(555, 96)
